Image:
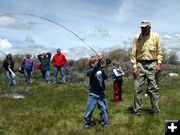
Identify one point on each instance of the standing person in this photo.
(117, 74)
(27, 66)
(45, 58)
(146, 59)
(96, 93)
(59, 60)
(8, 65)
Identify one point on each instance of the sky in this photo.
(100, 23)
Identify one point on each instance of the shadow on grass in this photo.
(146, 110)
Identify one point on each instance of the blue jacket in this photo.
(94, 85)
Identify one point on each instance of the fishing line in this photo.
(54, 22)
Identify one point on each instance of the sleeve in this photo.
(159, 51)
(40, 57)
(116, 73)
(64, 60)
(122, 72)
(133, 55)
(22, 64)
(4, 64)
(49, 56)
(32, 65)
(104, 75)
(12, 64)
(52, 61)
(92, 71)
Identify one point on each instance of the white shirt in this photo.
(118, 72)
(99, 77)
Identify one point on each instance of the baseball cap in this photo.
(145, 23)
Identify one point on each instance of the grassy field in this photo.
(57, 109)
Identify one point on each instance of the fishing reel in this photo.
(108, 61)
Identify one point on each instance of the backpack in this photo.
(28, 64)
(39, 66)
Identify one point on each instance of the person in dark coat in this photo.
(45, 58)
(8, 65)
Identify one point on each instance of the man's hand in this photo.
(158, 68)
(136, 72)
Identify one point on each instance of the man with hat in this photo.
(146, 59)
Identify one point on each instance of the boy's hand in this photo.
(99, 58)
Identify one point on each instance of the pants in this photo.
(9, 79)
(99, 99)
(56, 70)
(117, 85)
(46, 76)
(147, 71)
(27, 75)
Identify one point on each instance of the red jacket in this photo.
(59, 60)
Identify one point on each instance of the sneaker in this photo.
(105, 126)
(54, 82)
(86, 126)
(137, 114)
(64, 82)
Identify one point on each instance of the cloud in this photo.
(10, 22)
(103, 32)
(29, 39)
(171, 41)
(35, 49)
(5, 45)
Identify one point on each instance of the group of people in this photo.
(27, 67)
(146, 58)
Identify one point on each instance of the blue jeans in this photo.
(56, 70)
(27, 75)
(9, 79)
(46, 75)
(93, 99)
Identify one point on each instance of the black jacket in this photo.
(45, 62)
(8, 63)
(94, 84)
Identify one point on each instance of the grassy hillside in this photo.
(57, 109)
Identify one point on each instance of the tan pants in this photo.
(147, 72)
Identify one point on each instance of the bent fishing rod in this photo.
(108, 61)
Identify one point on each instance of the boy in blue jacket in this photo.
(96, 95)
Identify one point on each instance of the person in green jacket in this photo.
(45, 58)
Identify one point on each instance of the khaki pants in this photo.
(147, 72)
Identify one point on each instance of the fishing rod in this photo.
(108, 61)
